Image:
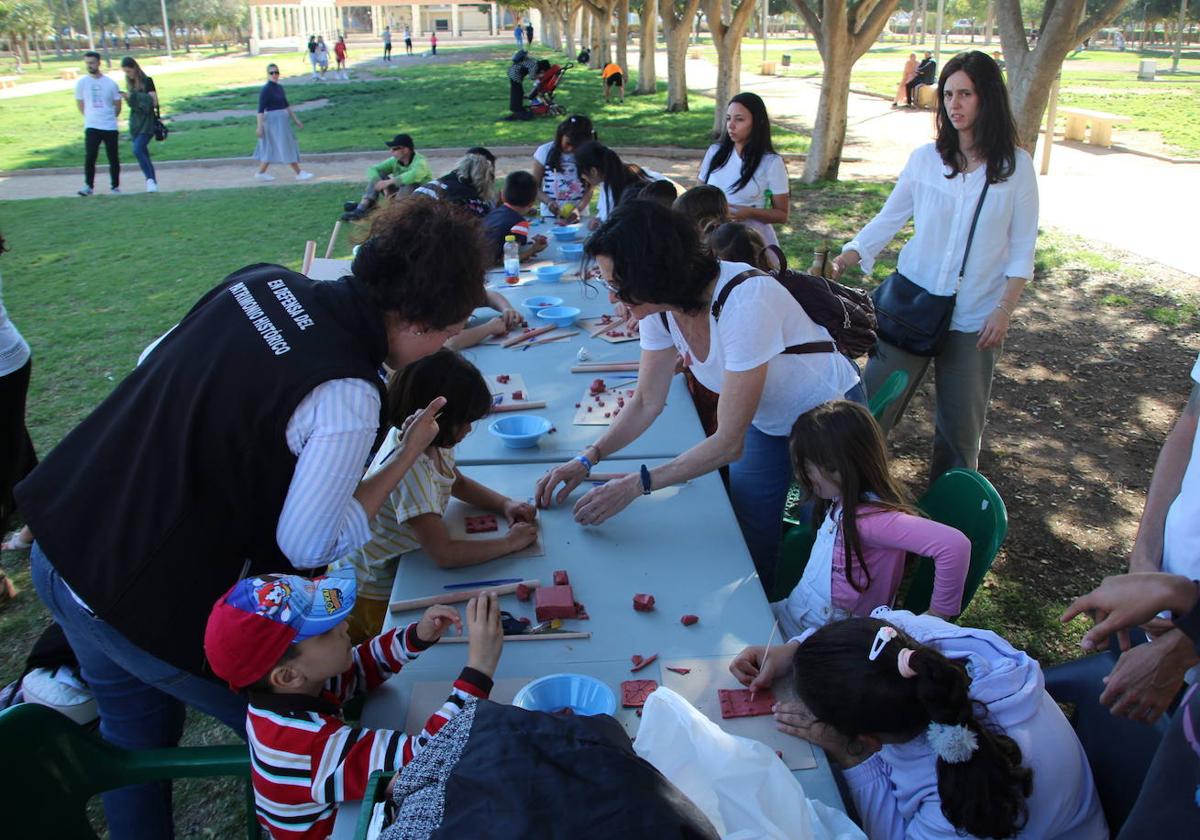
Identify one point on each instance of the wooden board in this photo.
(603, 403)
(502, 392)
(593, 324)
(455, 519)
(699, 687)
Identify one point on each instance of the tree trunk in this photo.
(824, 157)
(727, 38)
(601, 37)
(623, 36)
(567, 12)
(647, 41)
(676, 29)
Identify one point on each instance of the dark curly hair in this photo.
(995, 130)
(424, 261)
(442, 374)
(657, 256)
(983, 796)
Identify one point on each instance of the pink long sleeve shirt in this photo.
(887, 537)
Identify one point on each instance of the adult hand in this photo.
(1147, 677)
(569, 475)
(485, 635)
(298, 123)
(608, 499)
(622, 310)
(994, 330)
(757, 668)
(515, 511)
(842, 262)
(794, 718)
(738, 212)
(1124, 601)
(519, 536)
(436, 621)
(258, 132)
(420, 428)
(512, 319)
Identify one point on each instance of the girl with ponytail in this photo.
(941, 731)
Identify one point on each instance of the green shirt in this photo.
(417, 171)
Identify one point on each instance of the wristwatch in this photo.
(646, 488)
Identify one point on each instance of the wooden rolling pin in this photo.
(458, 597)
(602, 367)
(520, 405)
(525, 637)
(525, 336)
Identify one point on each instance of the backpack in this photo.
(848, 314)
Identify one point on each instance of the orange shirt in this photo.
(610, 70)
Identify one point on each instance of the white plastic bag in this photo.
(739, 784)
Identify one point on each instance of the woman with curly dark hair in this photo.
(235, 448)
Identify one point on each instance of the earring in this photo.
(418, 332)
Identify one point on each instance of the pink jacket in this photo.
(887, 537)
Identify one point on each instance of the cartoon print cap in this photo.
(253, 623)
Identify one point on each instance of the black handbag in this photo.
(160, 128)
(913, 319)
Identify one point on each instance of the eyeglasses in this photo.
(272, 72)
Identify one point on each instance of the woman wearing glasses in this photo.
(654, 262)
(276, 142)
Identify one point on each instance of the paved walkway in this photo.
(1127, 200)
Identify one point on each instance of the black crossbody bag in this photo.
(913, 319)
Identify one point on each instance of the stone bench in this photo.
(9, 81)
(1078, 119)
(925, 96)
(69, 73)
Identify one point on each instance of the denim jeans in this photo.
(140, 698)
(141, 151)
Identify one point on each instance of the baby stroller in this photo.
(541, 98)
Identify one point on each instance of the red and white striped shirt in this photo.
(305, 760)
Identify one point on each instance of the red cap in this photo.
(242, 647)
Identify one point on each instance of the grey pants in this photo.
(962, 378)
(371, 194)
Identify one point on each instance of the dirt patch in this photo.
(226, 113)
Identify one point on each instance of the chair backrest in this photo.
(965, 500)
(793, 557)
(892, 388)
(53, 767)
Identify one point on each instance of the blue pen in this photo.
(482, 583)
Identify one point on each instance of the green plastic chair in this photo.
(53, 767)
(793, 557)
(965, 500)
(892, 388)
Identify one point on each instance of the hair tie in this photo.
(953, 743)
(903, 665)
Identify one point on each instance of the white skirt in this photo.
(278, 143)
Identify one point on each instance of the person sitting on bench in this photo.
(926, 75)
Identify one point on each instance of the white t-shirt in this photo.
(563, 184)
(604, 204)
(99, 95)
(1181, 531)
(759, 320)
(14, 352)
(770, 175)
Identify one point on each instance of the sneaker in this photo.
(349, 206)
(151, 185)
(304, 176)
(353, 215)
(263, 176)
(115, 191)
(86, 190)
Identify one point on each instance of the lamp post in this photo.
(166, 26)
(87, 24)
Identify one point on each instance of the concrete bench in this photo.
(68, 73)
(8, 81)
(1101, 134)
(926, 96)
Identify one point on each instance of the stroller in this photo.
(541, 98)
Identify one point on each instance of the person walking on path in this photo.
(387, 43)
(529, 33)
(407, 40)
(973, 198)
(312, 56)
(322, 56)
(433, 43)
(142, 98)
(339, 51)
(99, 100)
(276, 142)
(519, 34)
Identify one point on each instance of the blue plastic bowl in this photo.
(549, 273)
(582, 694)
(533, 304)
(559, 316)
(565, 233)
(520, 431)
(571, 249)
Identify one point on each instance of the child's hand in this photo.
(757, 667)
(436, 621)
(420, 428)
(485, 636)
(520, 535)
(496, 326)
(515, 511)
(594, 223)
(512, 319)
(538, 245)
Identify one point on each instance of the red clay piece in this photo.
(635, 692)
(636, 659)
(736, 702)
(683, 671)
(560, 578)
(565, 711)
(554, 602)
(581, 612)
(639, 714)
(642, 602)
(597, 387)
(523, 592)
(689, 620)
(518, 395)
(503, 378)
(481, 524)
(637, 666)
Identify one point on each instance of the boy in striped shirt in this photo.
(283, 639)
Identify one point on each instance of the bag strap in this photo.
(739, 279)
(962, 269)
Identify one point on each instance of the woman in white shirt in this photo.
(747, 169)
(601, 168)
(652, 260)
(17, 457)
(554, 169)
(940, 189)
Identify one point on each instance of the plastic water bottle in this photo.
(512, 260)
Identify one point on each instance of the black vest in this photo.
(172, 488)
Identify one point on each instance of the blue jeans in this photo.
(141, 144)
(141, 701)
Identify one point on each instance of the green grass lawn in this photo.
(431, 101)
(52, 64)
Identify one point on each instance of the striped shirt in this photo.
(305, 760)
(424, 489)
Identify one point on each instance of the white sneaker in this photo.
(151, 185)
(304, 176)
(263, 176)
(114, 191)
(86, 190)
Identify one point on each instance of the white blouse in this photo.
(771, 176)
(941, 209)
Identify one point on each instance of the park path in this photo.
(1130, 201)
